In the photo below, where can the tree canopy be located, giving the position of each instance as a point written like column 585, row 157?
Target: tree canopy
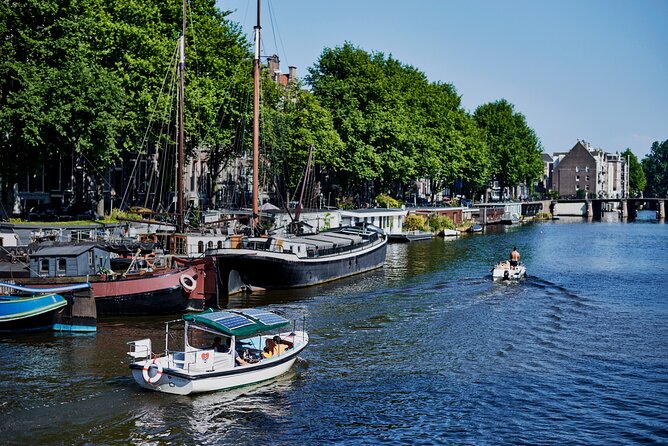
column 655, row 166
column 637, row 180
column 84, row 78
column 514, row 147
column 396, row 126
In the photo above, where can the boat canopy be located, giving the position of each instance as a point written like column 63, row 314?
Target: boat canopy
column 237, row 322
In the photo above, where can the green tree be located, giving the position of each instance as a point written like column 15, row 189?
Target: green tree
column 396, row 126
column 55, row 96
column 514, row 147
column 637, row 179
column 655, row 166
column 292, row 120
column 83, row 79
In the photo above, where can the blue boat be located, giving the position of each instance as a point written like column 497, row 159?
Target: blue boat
column 33, row 309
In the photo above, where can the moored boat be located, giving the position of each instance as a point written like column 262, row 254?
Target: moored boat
column 147, row 285
column 254, row 349
column 31, row 309
column 410, row 236
column 299, row 261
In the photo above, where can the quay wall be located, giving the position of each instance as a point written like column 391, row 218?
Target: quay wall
column 578, row 209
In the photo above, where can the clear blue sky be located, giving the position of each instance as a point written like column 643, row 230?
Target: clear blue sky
column 577, row 69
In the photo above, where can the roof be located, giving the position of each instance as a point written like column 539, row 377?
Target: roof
column 62, row 250
column 237, row 322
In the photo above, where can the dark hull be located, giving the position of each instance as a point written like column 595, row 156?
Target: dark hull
column 258, row 271
column 164, row 301
column 41, row 322
column 160, row 293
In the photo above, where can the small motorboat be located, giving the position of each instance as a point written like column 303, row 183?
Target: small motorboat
column 448, row 233
column 503, row 271
column 25, row 309
column 203, row 366
column 474, row 228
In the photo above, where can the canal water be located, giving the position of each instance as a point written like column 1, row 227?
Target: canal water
column 427, row 350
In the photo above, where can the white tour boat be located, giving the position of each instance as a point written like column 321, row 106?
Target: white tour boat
column 503, row 271
column 237, row 345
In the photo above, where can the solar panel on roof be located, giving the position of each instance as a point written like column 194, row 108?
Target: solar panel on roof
column 265, row 317
column 230, row 320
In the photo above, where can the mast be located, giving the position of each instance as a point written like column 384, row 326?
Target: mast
column 256, row 119
column 179, row 180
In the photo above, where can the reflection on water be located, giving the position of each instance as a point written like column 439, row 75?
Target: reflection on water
column 425, row 350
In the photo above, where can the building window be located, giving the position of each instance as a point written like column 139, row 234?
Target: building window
column 209, row 245
column 577, row 187
column 90, row 258
column 577, row 169
column 577, row 177
column 587, row 178
column 587, row 187
column 44, row 266
column 200, row 247
column 587, row 169
column 61, row 265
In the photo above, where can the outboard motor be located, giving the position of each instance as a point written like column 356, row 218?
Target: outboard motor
column 506, row 275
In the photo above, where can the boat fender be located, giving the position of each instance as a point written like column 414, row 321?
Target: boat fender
column 158, row 374
column 188, row 283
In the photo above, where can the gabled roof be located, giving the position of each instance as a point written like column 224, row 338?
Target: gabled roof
column 546, row 157
column 62, row 250
column 578, row 150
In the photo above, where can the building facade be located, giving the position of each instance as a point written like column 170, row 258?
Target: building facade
column 592, row 173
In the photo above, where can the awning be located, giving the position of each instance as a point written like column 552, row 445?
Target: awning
column 237, row 322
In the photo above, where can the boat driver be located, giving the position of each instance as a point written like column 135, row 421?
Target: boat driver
column 514, row 258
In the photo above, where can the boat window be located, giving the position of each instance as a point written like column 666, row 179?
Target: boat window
column 44, row 266
column 61, row 265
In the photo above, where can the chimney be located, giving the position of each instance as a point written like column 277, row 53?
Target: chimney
column 274, row 65
column 292, row 73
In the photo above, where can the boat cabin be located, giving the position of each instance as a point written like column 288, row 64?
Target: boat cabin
column 69, row 260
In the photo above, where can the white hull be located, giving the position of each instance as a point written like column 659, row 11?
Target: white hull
column 516, row 273
column 218, row 374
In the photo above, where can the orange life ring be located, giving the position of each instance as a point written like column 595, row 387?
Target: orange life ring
column 188, row 283
column 158, row 374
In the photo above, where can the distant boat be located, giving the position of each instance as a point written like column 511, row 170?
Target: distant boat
column 410, row 236
column 504, row 271
column 34, row 309
column 448, row 233
column 474, row 228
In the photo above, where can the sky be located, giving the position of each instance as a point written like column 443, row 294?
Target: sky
column 593, row 70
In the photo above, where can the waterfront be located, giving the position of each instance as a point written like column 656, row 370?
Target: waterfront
column 426, row 350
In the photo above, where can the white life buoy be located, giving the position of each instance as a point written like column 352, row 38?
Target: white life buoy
column 188, row 283
column 158, row 374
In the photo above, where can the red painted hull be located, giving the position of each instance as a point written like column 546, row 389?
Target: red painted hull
column 151, row 293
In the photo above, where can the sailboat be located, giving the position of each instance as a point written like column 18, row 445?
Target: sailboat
column 277, row 262
column 153, row 283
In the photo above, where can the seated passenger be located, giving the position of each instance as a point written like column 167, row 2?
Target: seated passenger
column 219, row 346
column 269, row 348
column 281, row 345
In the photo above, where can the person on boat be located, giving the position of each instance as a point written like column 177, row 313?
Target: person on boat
column 514, row 257
column 281, row 345
column 219, row 346
column 238, row 359
column 269, row 349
